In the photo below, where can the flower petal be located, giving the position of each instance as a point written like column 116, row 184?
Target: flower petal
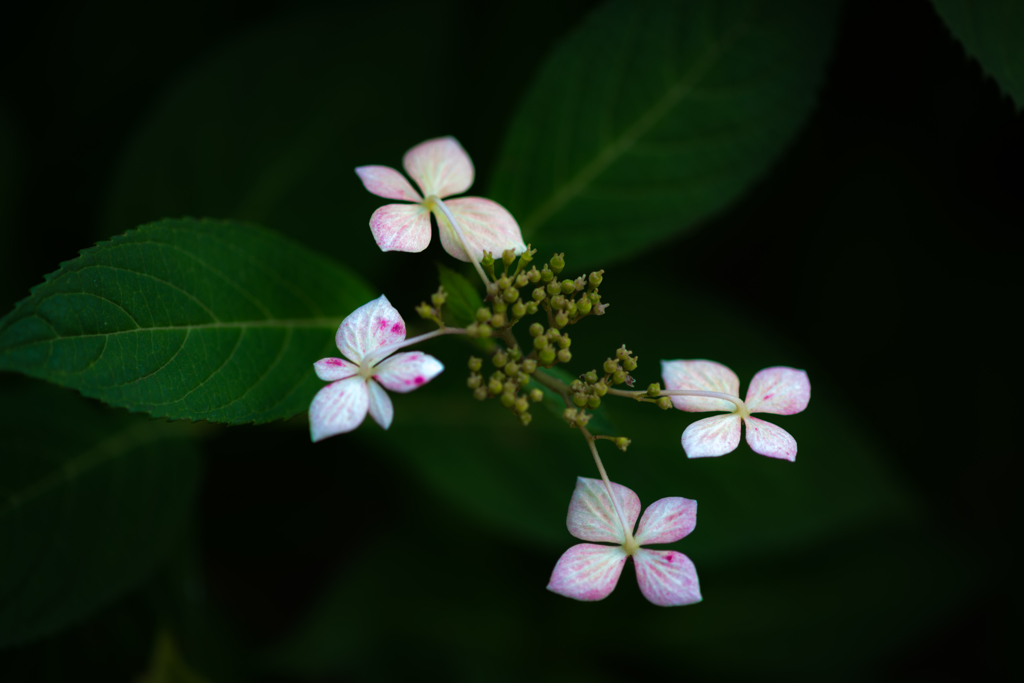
column 401, row 227
column 368, row 328
column 700, row 375
column 666, row 578
column 667, row 521
column 487, row 226
column 333, row 369
column 771, row 440
column 712, row 436
column 404, row 372
column 779, row 390
column 440, row 167
column 381, row 409
column 592, row 516
column 386, row 182
column 338, row 408
column 587, row 571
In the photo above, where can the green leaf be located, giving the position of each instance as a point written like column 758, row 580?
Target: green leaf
column 653, row 116
column 196, row 319
column 90, row 501
column 993, row 33
column 463, row 299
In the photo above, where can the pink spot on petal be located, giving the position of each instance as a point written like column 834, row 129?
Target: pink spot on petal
column 768, row 396
column 332, row 361
column 419, row 380
column 398, row 328
column 668, row 558
column 383, row 324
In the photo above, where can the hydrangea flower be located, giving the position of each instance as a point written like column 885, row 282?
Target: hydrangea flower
column 588, row 571
column 712, row 386
column 367, row 338
column 441, row 168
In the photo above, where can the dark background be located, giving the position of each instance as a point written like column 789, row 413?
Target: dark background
column 896, row 214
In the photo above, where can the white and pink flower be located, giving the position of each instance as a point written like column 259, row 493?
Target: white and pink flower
column 589, row 571
column 698, row 386
column 367, row 338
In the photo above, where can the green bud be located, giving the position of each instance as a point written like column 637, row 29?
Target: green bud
column 504, row 283
column 474, row 380
column 475, row 363
column 488, row 263
column 577, row 385
column 499, row 358
column 568, row 287
column 570, row 414
column 579, row 399
column 473, row 330
column 593, row 402
column 499, row 305
column 511, row 295
column 600, row 389
column 564, row 356
column 564, row 341
column 584, row 305
column 515, row 353
column 539, row 294
column 507, row 399
column 483, row 315
column 554, row 334
column 553, row 288
column 521, row 280
column 557, row 263
column 547, row 356
column 595, row 278
column 654, row 390
column 533, row 275
column 558, row 302
column 540, row 342
column 425, row 311
column 483, row 330
column 561, row 319
column 525, row 418
column 536, row 329
column 618, row 377
column 511, row 368
column 664, row 403
column 527, row 256
column 521, row 405
column 610, row 366
column 536, row 395
column 530, row 366
column 492, row 288
column 531, row 307
column 522, row 379
column 622, row 443
column 591, row 377
column 629, row 365
column 498, row 320
column 582, row 419
column 545, row 274
column 581, row 283
column 621, row 353
column 570, row 309
column 480, row 393
column 439, row 297
column 495, row 386
column 508, row 256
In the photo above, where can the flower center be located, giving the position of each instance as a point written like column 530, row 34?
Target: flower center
column 630, row 546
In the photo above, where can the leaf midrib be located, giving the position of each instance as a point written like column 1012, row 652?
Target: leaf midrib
column 617, row 147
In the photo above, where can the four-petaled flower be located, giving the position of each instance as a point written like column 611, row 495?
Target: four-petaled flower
column 778, row 390
column 441, row 168
column 367, row 338
column 588, row 571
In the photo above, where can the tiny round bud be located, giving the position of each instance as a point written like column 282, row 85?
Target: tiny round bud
column 474, row 380
column 439, row 297
column 507, row 399
column 570, row 414
column 577, row 385
column 515, row 353
column 564, row 356
column 495, row 386
column 475, row 363
column 629, row 365
column 480, row 393
column 553, row 288
column 508, row 256
column 522, row 379
column 511, row 295
column 533, row 275
column 621, row 353
column 425, row 311
column 536, row 395
column 583, row 419
column 570, row 308
column 595, row 278
column 483, row 315
column 499, row 358
column 564, row 342
column 492, row 289
column 473, row 330
column 618, row 377
column 498, row 320
column 521, row 280
column 568, row 287
column 545, row 274
column 557, row 263
column 584, row 305
column 521, row 405
column 536, row 329
column 539, row 294
column 504, row 283
column 590, row 377
column 561, row 319
column 483, row 330
column 511, row 368
column 499, row 305
column 622, row 443
column 610, row 366
column 664, row 403
column 525, row 418
column 654, row 389
column 558, row 302
column 530, row 366
column 600, row 389
column 547, row 356
column 579, row 399
column 540, row 342
column 554, row 334
column 487, row 260
column 531, row 307
column 593, row 402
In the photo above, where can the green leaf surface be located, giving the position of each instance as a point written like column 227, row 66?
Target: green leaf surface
column 653, row 116
column 463, row 299
column 90, row 501
column 993, row 33
column 196, row 319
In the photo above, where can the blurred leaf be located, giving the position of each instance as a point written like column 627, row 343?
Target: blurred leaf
column 90, row 501
column 655, row 115
column 463, row 299
column 196, row 319
column 167, row 666
column 993, row 33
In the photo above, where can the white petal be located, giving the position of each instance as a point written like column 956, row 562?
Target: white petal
column 666, row 578
column 771, row 440
column 381, row 409
column 712, row 436
column 779, row 390
column 333, row 369
column 700, row 375
column 440, row 167
column 404, row 372
column 588, row 572
column 667, row 521
column 338, row 408
column 401, row 227
column 592, row 516
column 487, row 226
column 386, row 182
column 368, row 328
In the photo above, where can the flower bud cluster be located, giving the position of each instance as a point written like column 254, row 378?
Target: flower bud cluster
column 432, row 311
column 511, row 375
column 616, row 370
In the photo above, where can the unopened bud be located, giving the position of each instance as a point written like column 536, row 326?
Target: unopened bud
column 577, row 385
column 553, row 288
column 425, row 311
column 539, row 294
column 558, row 302
column 590, row 377
column 480, row 393
column 600, row 388
column 515, row 353
column 499, row 358
column 521, row 405
column 525, row 418
column 507, row 399
column 488, row 263
column 561, row 319
column 582, row 419
column 579, row 399
column 584, row 305
column 654, row 390
column 536, row 329
column 483, row 315
column 475, row 363
column 494, row 386
column 593, row 402
column 557, row 263
column 511, row 295
column 618, row 377
column 664, row 403
column 518, row 310
column 536, row 395
column 439, row 297
column 508, row 256
column 570, row 309
column 498, row 320
column 596, row 278
column 533, row 275
column 564, row 341
column 629, row 365
column 545, row 274
column 622, row 443
column 521, row 280
column 547, row 356
column 483, row 330
column 511, row 368
column 564, row 356
column 492, row 289
column 504, row 283
column 570, row 414
column 474, row 380
column 530, row 366
column 499, row 305
column 622, row 353
column 610, row 366
column 568, row 287
column 540, row 342
column 531, row 307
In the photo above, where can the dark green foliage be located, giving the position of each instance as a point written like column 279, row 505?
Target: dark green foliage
column 991, row 31
column 90, row 502
column 463, row 299
column 654, row 115
column 196, row 319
